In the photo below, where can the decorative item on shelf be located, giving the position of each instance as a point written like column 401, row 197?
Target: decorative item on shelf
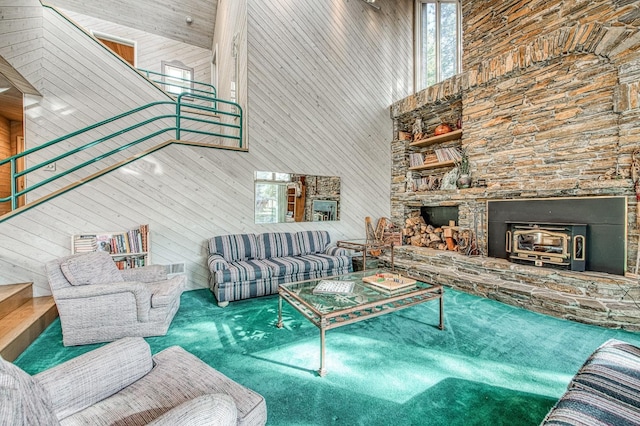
column 417, row 129
column 481, row 183
column 464, row 176
column 442, row 129
column 459, row 123
column 449, row 180
column 404, row 136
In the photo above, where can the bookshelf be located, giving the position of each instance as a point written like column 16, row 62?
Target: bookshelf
column 439, row 153
column 129, row 249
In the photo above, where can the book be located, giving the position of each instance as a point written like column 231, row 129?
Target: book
column 334, row 287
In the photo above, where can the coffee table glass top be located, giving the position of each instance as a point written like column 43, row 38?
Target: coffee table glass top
column 363, row 293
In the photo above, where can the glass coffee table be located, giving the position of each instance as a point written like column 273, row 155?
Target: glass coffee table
column 375, row 292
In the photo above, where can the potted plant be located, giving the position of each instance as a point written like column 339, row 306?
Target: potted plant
column 464, row 172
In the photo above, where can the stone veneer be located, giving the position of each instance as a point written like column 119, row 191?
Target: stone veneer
column 550, row 106
column 588, row 297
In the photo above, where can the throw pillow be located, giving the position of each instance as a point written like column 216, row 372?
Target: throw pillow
column 22, row 400
column 91, row 268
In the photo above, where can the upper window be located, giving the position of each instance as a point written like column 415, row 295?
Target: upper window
column 177, row 77
column 438, row 35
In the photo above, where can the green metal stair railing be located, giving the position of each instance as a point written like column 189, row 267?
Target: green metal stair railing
column 190, row 86
column 207, row 115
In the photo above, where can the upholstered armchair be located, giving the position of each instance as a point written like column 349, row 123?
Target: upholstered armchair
column 97, row 302
column 120, row 383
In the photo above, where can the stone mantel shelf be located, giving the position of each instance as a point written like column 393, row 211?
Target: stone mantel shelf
column 613, row 187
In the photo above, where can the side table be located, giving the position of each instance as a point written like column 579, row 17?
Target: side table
column 363, row 245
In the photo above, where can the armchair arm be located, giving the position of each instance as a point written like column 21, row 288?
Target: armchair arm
column 336, row 251
column 166, row 291
column 141, row 292
column 210, row 409
column 145, row 274
column 217, row 263
column 91, row 377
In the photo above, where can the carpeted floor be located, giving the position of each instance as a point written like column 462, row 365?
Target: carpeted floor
column 492, row 365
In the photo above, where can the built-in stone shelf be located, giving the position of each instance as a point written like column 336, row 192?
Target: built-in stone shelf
column 611, row 187
column 589, row 297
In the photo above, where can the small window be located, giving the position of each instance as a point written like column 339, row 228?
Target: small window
column 439, row 41
column 178, row 78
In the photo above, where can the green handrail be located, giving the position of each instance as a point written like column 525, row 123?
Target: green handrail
column 183, row 107
column 208, row 90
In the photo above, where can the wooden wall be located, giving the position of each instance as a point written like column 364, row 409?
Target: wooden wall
column 231, row 26
column 152, row 49
column 321, row 77
column 5, row 171
column 21, row 35
column 164, row 18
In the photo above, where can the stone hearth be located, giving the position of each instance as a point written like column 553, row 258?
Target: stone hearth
column 588, row 297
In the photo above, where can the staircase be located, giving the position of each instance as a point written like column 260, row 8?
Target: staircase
column 22, row 318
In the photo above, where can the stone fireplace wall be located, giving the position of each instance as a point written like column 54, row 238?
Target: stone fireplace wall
column 549, row 102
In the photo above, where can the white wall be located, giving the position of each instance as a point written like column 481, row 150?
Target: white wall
column 321, row 78
column 152, row 49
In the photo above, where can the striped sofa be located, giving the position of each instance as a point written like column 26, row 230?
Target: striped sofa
column 605, row 391
column 242, row 266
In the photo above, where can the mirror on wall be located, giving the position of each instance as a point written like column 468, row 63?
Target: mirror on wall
column 292, row 197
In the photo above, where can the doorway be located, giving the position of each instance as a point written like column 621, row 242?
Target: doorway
column 11, row 137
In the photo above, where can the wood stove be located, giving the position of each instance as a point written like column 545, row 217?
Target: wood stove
column 559, row 245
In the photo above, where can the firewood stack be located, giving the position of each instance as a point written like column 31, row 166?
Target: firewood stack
column 418, row 233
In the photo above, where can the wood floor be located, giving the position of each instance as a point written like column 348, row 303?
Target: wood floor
column 22, row 318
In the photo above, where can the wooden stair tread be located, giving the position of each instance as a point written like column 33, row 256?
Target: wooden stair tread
column 12, row 296
column 19, row 328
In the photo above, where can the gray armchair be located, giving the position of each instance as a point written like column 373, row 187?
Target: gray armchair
column 122, row 384
column 97, row 302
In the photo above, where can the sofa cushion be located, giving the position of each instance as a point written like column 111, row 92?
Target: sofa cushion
column 324, row 262
column 91, row 268
column 281, row 266
column 612, row 370
column 312, row 242
column 244, row 271
column 236, row 247
column 22, row 400
column 277, row 244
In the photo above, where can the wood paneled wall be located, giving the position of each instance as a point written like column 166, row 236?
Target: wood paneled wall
column 321, row 77
column 152, row 49
column 164, row 18
column 5, row 171
column 21, row 35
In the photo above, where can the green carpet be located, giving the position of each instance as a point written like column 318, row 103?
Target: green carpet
column 492, row 365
